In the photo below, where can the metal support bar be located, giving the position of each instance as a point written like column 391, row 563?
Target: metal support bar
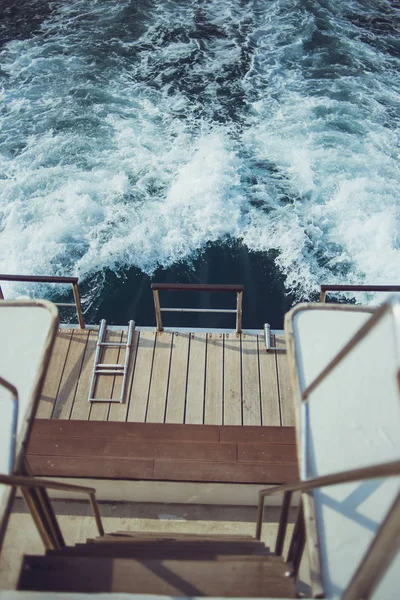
column 267, row 335
column 280, row 539
column 356, row 288
column 51, row 279
column 78, row 305
column 190, row 287
column 200, row 310
column 36, row 505
column 65, row 304
column 297, row 542
column 157, row 308
column 239, row 310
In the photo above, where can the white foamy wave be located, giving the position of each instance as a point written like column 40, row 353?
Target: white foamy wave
column 134, row 135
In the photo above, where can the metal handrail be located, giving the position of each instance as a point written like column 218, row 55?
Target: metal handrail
column 51, row 279
column 31, row 482
column 386, row 530
column 356, row 288
column 198, row 287
column 13, row 442
column 389, row 469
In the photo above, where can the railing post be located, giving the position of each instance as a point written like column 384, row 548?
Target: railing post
column 322, row 295
column 239, row 302
column 96, row 513
column 298, row 541
column 78, row 305
column 280, row 539
column 260, row 515
column 157, row 308
column 1, row 294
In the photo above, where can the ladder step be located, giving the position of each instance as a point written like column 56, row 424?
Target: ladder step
column 111, row 343
column 108, row 372
column 110, row 366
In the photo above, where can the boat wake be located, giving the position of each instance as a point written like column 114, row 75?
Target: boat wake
column 134, row 133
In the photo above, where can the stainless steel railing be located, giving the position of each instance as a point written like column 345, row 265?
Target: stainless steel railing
column 377, row 557
column 325, row 288
column 194, row 287
column 40, row 507
column 50, row 279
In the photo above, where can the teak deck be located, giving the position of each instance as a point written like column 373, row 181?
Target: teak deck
column 190, row 378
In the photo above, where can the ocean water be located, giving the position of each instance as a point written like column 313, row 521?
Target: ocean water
column 223, row 141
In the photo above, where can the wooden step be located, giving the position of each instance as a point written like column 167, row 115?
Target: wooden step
column 231, row 578
column 163, row 452
column 164, row 431
column 183, row 536
column 163, row 549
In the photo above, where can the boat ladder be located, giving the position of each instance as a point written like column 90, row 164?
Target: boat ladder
column 111, row 369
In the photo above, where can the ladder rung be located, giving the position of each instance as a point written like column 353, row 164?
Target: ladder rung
column 111, row 343
column 109, row 366
column 108, row 372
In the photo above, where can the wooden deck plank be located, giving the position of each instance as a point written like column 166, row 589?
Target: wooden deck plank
column 285, row 391
column 130, row 431
column 81, row 406
column 159, row 378
column 196, row 379
column 70, row 376
column 115, row 448
column 176, row 398
column 223, row 472
column 118, row 412
column 232, row 380
column 250, row 380
column 105, row 386
column 213, row 403
column 248, row 434
column 162, row 470
column 54, row 374
column 91, row 466
column 269, row 384
column 141, row 377
column 267, row 453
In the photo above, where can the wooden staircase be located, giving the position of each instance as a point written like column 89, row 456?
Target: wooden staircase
column 167, row 564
